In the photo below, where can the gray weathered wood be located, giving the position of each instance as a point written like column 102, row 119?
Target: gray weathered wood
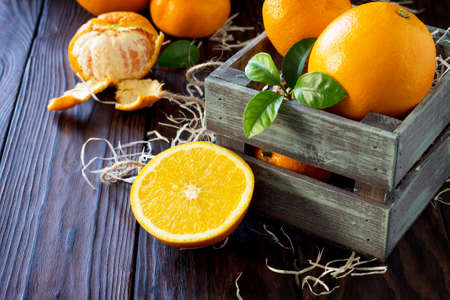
column 422, row 126
column 327, row 211
column 367, row 190
column 418, row 188
column 381, row 121
column 230, row 143
column 343, row 146
column 15, row 44
column 58, row 237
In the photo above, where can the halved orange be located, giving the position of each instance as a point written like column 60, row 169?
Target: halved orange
column 192, row 195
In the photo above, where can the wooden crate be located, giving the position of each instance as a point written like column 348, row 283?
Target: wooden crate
column 397, row 165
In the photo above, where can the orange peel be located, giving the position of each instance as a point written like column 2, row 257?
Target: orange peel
column 136, row 94
column 107, row 50
column 79, row 94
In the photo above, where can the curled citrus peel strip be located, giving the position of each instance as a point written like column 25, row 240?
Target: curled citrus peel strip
column 114, row 49
column 79, row 94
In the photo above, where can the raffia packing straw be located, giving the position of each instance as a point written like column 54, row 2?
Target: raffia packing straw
column 438, row 198
column 190, row 127
column 238, row 291
column 226, row 40
column 352, row 266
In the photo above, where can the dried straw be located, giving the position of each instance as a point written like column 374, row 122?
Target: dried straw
column 238, row 291
column 124, row 163
column 336, row 269
column 224, row 37
column 221, row 246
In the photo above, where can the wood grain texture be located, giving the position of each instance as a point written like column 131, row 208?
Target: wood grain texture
column 367, row 190
column 164, row 272
column 416, row 189
column 316, row 207
column 60, row 238
column 343, row 146
column 422, row 126
column 15, row 44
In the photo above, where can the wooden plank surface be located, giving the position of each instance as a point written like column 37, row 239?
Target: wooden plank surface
column 15, row 44
column 60, row 238
column 343, row 146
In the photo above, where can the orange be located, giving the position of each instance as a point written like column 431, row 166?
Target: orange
column 97, row 7
column 111, row 48
column 192, row 195
column 189, row 19
column 291, row 164
column 382, row 55
column 136, row 94
column 289, row 21
column 117, row 45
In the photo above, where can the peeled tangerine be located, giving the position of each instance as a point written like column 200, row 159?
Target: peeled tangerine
column 114, row 49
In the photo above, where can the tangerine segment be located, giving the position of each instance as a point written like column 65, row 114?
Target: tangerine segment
column 120, row 45
column 79, row 94
column 135, row 94
column 192, row 195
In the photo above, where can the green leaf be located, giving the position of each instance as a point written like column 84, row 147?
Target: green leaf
column 261, row 68
column 318, row 90
column 179, row 54
column 294, row 60
column 260, row 112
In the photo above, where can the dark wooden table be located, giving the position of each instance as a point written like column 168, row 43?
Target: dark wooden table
column 61, row 239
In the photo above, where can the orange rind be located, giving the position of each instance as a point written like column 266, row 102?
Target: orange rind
column 109, row 49
column 190, row 19
column 79, row 94
column 136, row 94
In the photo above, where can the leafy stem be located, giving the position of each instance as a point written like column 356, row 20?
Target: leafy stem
column 316, row 90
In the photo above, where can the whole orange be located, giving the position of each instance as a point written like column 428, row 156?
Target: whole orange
column 289, row 21
column 291, row 164
column 382, row 55
column 97, row 7
column 188, row 18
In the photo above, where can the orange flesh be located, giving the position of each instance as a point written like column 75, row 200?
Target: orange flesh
column 192, row 199
column 117, row 53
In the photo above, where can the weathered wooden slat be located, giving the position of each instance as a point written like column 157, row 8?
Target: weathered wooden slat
column 367, row 190
column 230, row 143
column 343, row 146
column 422, row 126
column 322, row 209
column 418, row 188
column 58, row 237
column 15, row 44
